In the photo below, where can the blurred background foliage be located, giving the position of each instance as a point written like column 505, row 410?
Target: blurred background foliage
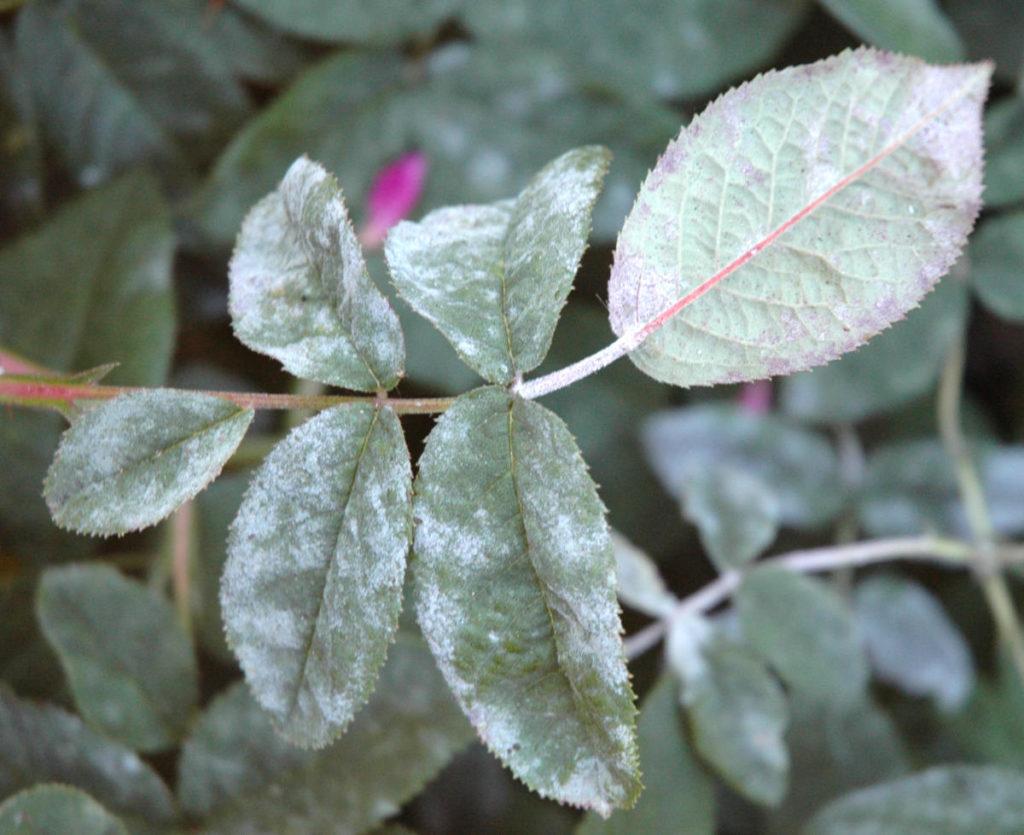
column 135, row 134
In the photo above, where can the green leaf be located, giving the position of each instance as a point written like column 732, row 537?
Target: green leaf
column 911, row 641
column 736, row 514
column 798, row 233
column 39, row 743
column 54, row 810
column 313, row 583
column 1004, row 152
column 254, row 50
column 997, row 253
column 493, row 279
column 913, row 27
column 800, row 465
column 639, row 582
column 487, row 118
column 128, row 660
column 215, row 507
column 352, row 21
column 515, row 594
column 26, row 662
column 804, row 630
column 233, row 751
column 678, row 794
column 301, row 293
column 69, row 289
column 102, row 108
column 895, row 367
column 21, row 155
column 992, row 29
column 952, row 799
column 911, row 488
column 674, row 48
column 128, row 463
column 991, row 727
column 406, row 734
column 834, row 749
column 737, row 710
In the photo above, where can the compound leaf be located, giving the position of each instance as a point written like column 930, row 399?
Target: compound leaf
column 407, row 733
column 301, row 293
column 798, row 216
column 54, row 809
column 312, row 587
column 516, row 596
column 128, row 463
column 493, row 279
column 128, row 661
column 952, row 799
column 40, row 743
column 804, row 631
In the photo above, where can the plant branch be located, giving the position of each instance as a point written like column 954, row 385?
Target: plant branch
column 812, row 560
column 182, row 540
column 22, row 391
column 989, row 572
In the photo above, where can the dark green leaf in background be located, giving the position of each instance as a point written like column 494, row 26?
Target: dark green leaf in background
column 914, row 27
column 678, row 794
column 93, row 285
column 911, row 642
column 991, row 29
column 515, row 594
column 128, row 660
column 736, row 514
column 953, row 800
column 40, row 743
column 672, row 48
column 21, row 187
column 805, row 631
column 116, row 84
column 313, row 583
column 55, row 810
column 130, row 462
column 493, row 279
column 997, row 265
column 1004, row 152
column 406, row 734
column 800, row 466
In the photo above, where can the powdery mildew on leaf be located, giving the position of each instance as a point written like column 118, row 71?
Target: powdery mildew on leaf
column 312, row 587
column 827, row 198
column 300, row 291
column 44, row 744
column 128, row 661
column 493, row 279
column 516, row 596
column 129, row 462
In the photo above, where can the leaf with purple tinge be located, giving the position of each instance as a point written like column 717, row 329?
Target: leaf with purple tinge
column 799, row 215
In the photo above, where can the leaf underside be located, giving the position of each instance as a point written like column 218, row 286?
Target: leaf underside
column 516, row 597
column 128, row 463
column 301, row 293
column 799, row 215
column 312, row 587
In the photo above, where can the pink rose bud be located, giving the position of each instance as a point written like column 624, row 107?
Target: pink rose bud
column 756, row 397
column 393, row 195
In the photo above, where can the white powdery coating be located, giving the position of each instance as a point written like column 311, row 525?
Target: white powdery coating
column 515, row 594
column 300, row 290
column 493, row 278
column 128, row 463
column 759, row 155
column 316, row 558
